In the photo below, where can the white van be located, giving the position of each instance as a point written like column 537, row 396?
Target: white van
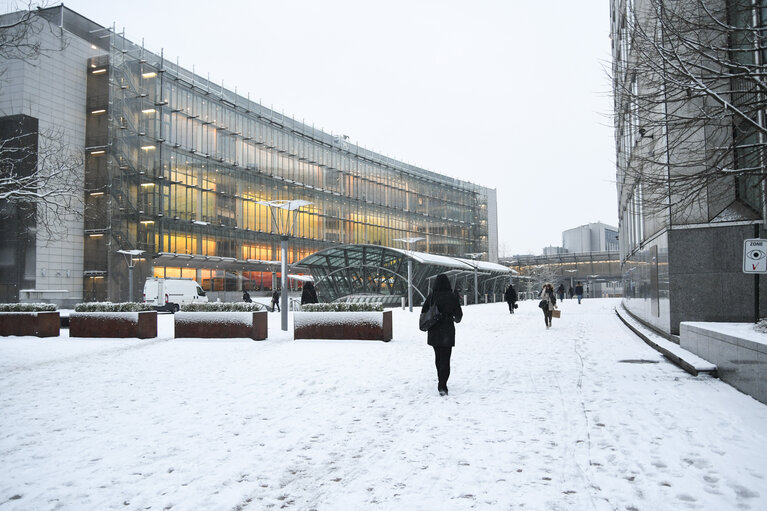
column 170, row 294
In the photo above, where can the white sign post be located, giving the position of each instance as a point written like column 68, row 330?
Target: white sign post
column 755, row 256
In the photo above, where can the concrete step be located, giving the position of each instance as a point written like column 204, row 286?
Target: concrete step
column 690, row 362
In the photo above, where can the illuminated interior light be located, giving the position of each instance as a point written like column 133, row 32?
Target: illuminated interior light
column 99, row 111
column 148, row 111
column 149, row 74
column 96, row 235
column 96, row 153
column 147, row 185
column 99, row 71
column 96, row 194
column 147, row 222
column 148, row 147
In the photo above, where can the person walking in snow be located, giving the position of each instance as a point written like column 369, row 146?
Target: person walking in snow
column 561, row 292
column 276, row 301
column 441, row 336
column 548, row 303
column 579, row 291
column 308, row 294
column 510, row 296
column 246, row 297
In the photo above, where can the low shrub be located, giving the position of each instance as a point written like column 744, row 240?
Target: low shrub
column 223, row 307
column 343, row 307
column 112, row 307
column 27, row 307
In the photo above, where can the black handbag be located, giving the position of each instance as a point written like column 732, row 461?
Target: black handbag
column 429, row 318
column 543, row 304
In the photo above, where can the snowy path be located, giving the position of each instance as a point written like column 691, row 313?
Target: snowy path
column 535, row 419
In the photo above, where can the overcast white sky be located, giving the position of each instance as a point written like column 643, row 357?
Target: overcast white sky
column 509, row 94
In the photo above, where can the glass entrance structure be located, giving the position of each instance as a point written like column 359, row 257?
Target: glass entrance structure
column 363, row 272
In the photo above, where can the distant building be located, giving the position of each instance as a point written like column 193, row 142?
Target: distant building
column 554, row 250
column 594, row 237
column 589, row 255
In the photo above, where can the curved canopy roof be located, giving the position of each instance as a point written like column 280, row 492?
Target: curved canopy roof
column 345, row 271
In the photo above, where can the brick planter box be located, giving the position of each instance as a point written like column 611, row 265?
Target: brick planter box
column 113, row 324
column 222, row 325
column 376, row 326
column 38, row 324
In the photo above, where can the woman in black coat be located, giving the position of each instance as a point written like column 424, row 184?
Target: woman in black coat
column 511, row 297
column 441, row 336
column 308, row 294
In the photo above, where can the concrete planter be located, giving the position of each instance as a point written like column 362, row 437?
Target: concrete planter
column 113, row 324
column 222, row 325
column 376, row 326
column 38, row 324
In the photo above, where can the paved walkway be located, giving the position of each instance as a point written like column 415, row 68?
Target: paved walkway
column 582, row 416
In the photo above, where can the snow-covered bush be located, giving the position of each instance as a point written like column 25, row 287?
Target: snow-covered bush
column 112, row 307
column 761, row 326
column 343, row 307
column 27, row 307
column 223, row 307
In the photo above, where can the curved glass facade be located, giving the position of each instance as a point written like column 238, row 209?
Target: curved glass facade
column 176, row 164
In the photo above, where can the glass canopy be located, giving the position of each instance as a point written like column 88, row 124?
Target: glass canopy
column 378, row 273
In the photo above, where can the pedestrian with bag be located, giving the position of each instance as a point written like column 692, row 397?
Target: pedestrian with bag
column 276, row 301
column 548, row 303
column 246, row 297
column 440, row 311
column 579, row 291
column 510, row 296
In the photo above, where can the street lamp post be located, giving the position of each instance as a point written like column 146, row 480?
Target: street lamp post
column 474, row 256
column 408, row 241
column 285, row 224
column 130, row 257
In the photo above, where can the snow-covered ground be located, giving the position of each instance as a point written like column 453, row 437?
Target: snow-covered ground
column 582, row 416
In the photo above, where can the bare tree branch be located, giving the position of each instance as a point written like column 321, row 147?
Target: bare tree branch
column 690, row 95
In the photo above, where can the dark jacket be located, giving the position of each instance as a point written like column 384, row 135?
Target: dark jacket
column 449, row 305
column 578, row 290
column 275, row 297
column 510, row 295
column 308, row 294
column 246, row 297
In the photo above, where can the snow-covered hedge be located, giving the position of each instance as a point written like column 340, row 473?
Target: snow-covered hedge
column 343, row 307
column 27, row 307
column 113, row 307
column 223, row 307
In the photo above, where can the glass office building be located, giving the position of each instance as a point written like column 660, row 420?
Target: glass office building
column 176, row 166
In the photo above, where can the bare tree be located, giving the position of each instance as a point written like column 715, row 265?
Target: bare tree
column 690, row 96
column 39, row 175
column 38, row 170
column 18, row 35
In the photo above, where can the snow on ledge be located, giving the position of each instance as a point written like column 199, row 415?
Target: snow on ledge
column 301, row 319
column 243, row 318
column 129, row 316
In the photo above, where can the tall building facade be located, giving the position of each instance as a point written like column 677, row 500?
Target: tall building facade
column 685, row 162
column 179, row 167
